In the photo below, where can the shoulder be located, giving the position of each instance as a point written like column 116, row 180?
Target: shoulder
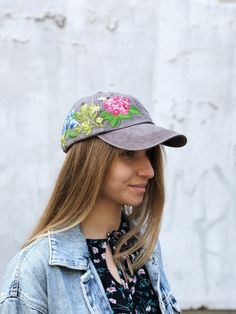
column 30, row 260
column 26, row 273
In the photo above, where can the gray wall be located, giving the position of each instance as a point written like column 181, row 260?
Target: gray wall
column 178, row 57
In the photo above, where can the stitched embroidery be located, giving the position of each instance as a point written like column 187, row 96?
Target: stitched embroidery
column 117, row 109
column 90, row 116
column 81, row 121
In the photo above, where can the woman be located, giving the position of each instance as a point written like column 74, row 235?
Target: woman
column 95, row 248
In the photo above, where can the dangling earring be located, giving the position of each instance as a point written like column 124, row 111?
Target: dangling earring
column 128, row 209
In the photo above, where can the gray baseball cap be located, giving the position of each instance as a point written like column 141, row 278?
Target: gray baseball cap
column 118, row 119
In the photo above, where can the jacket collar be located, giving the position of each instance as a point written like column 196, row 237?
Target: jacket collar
column 69, row 249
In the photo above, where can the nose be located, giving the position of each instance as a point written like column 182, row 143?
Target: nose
column 145, row 168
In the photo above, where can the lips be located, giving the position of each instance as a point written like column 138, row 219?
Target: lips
column 140, row 188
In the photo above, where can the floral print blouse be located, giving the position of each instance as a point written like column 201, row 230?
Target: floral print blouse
column 134, row 294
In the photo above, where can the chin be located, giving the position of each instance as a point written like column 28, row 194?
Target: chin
column 134, row 202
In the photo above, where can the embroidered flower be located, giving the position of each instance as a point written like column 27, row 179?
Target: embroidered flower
column 112, row 300
column 117, row 109
column 103, row 255
column 90, row 116
column 82, row 121
column 117, row 105
column 70, row 121
column 99, row 120
column 148, row 308
column 95, row 108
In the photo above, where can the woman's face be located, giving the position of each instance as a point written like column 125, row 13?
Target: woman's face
column 127, row 178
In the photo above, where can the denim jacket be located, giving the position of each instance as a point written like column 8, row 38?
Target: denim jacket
column 55, row 275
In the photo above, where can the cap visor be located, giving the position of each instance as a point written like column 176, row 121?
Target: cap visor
column 143, row 136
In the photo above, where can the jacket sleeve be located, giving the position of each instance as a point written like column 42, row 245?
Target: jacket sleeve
column 168, row 298
column 13, row 305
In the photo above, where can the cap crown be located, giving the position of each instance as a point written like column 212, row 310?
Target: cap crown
column 101, row 113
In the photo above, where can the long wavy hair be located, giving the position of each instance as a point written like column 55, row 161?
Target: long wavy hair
column 78, row 186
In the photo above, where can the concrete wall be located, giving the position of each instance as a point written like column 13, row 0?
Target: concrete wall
column 178, row 57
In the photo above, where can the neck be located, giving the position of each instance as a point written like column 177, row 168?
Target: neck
column 102, row 219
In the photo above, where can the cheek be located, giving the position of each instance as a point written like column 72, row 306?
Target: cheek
column 113, row 183
column 117, row 178
column 119, row 174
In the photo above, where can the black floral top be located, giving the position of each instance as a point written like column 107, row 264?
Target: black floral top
column 134, row 294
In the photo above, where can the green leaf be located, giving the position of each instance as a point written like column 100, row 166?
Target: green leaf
column 90, row 112
column 125, row 116
column 80, row 117
column 110, row 118
column 72, row 134
column 78, row 129
column 88, row 131
column 106, row 114
column 67, row 133
column 134, row 110
column 115, row 121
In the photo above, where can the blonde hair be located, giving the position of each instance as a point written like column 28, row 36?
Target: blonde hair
column 78, row 186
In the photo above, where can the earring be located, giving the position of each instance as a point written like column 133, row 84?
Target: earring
column 128, row 209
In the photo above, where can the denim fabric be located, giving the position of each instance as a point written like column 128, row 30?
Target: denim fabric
column 55, row 275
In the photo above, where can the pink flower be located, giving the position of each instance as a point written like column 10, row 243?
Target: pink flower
column 111, row 289
column 117, row 105
column 116, row 112
column 141, row 271
column 134, row 279
column 103, row 255
column 112, row 301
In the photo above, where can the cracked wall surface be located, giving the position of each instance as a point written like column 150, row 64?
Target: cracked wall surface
column 178, row 57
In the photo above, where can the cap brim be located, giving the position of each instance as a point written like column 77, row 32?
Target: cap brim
column 143, row 136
